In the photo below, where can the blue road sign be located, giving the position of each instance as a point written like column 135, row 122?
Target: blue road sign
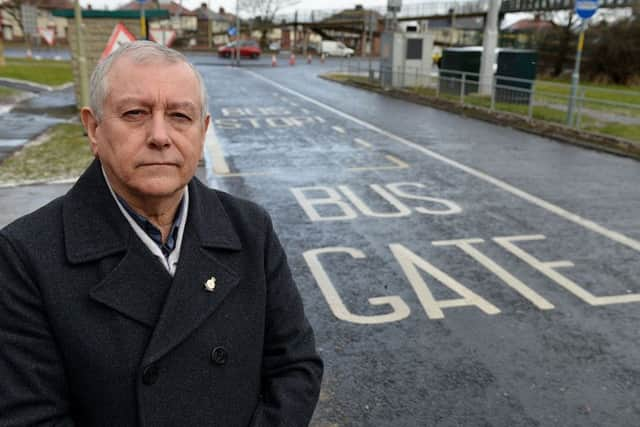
column 586, row 8
column 232, row 31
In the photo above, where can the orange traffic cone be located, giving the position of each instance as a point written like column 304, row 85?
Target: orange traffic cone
column 309, row 59
column 274, row 61
column 292, row 60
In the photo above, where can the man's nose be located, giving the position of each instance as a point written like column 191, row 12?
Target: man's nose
column 159, row 132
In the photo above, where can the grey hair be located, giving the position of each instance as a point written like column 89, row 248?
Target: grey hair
column 140, row 51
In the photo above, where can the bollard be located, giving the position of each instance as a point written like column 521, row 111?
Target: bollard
column 274, row 61
column 322, row 57
column 309, row 59
column 292, row 60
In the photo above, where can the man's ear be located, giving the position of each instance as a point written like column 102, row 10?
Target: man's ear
column 207, row 122
column 90, row 123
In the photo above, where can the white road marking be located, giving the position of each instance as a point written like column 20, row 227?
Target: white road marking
column 399, row 164
column 305, row 111
column 588, row 224
column 362, row 142
column 214, row 153
column 338, row 129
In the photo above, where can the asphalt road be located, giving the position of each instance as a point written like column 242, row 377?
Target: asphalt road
column 457, row 273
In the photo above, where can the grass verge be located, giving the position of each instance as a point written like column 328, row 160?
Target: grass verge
column 6, row 92
column 48, row 72
column 546, row 113
column 63, row 152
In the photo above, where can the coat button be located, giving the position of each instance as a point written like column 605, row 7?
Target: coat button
column 150, row 375
column 219, row 356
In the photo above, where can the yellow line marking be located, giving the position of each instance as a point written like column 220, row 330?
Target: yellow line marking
column 212, row 145
column 362, row 142
column 399, row 164
column 237, row 174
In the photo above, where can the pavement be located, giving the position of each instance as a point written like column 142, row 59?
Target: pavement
column 39, row 107
column 456, row 272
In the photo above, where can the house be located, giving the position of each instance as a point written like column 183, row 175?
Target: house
column 218, row 23
column 524, row 33
column 10, row 17
column 182, row 20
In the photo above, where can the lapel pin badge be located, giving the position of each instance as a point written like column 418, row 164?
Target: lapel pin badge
column 210, row 284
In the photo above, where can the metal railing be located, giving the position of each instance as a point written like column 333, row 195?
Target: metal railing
column 600, row 110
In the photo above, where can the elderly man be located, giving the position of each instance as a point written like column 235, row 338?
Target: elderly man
column 141, row 297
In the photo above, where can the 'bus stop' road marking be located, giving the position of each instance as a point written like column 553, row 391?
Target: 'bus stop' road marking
column 576, row 219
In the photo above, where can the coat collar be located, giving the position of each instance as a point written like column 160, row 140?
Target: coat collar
column 94, row 226
column 139, row 287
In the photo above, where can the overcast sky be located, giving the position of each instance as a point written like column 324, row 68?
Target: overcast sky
column 231, row 4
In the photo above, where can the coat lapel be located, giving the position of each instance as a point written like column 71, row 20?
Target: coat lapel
column 139, row 287
column 208, row 234
column 94, row 228
column 139, row 296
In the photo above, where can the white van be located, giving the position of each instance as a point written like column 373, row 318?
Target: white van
column 332, row 48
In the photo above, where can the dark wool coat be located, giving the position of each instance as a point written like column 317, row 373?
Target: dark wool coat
column 95, row 332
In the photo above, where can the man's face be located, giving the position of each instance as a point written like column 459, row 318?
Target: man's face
column 151, row 135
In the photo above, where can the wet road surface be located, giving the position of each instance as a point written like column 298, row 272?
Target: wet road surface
column 457, row 273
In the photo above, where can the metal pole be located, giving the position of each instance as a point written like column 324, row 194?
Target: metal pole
column 143, row 22
column 209, row 29
column 82, row 56
column 372, row 22
column 2, row 61
column 489, row 44
column 575, row 77
column 531, row 96
column 237, row 49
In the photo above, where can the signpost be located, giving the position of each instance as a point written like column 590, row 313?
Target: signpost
column 29, row 14
column 585, row 10
column 82, row 56
column 143, row 19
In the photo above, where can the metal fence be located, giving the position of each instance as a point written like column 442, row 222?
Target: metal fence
column 607, row 111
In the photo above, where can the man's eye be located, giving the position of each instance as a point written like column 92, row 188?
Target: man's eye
column 181, row 116
column 134, row 113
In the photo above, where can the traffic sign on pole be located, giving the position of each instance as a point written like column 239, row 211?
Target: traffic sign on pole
column 586, row 8
column 162, row 36
column 120, row 35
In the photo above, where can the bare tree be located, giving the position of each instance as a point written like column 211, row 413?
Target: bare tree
column 265, row 10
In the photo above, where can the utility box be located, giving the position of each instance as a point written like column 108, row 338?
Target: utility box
column 520, row 66
column 517, row 67
column 454, row 66
column 405, row 59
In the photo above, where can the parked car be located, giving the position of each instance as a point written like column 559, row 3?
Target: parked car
column 274, row 46
column 333, row 48
column 248, row 48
